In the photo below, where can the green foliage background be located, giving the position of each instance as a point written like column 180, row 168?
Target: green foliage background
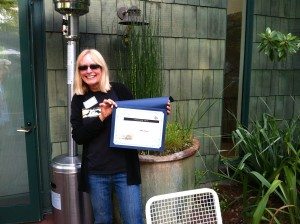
column 140, row 62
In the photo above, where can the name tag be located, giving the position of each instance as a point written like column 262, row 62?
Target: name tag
column 90, row 102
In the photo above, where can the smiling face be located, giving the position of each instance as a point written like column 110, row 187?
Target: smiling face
column 91, row 76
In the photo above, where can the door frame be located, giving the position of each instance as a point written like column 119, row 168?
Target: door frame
column 33, row 66
column 39, row 69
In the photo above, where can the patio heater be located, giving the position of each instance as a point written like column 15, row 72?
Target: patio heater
column 69, row 205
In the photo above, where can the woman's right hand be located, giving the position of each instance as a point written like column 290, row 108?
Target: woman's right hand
column 106, row 108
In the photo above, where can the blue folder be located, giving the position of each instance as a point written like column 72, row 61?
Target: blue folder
column 154, row 104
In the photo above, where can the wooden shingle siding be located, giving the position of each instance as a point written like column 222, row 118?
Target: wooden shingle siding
column 190, row 22
column 193, row 53
column 202, row 19
column 274, row 82
column 204, row 50
column 186, row 84
column 196, row 89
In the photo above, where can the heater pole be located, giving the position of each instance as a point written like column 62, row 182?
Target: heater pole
column 72, row 37
column 71, row 48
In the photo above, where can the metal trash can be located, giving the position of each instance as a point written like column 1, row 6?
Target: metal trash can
column 70, row 206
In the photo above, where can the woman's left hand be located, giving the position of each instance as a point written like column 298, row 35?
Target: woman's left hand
column 169, row 108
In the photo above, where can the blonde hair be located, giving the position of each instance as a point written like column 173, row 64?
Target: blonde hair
column 80, row 87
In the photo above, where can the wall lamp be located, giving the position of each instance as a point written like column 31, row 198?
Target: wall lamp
column 131, row 16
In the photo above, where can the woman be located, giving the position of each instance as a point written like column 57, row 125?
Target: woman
column 104, row 169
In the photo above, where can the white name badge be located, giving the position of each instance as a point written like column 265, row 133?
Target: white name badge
column 90, row 102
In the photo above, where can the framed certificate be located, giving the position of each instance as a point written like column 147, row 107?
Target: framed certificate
column 140, row 128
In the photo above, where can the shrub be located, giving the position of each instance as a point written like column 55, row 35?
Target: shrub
column 277, row 45
column 268, row 164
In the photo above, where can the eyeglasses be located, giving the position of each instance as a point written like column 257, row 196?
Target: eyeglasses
column 85, row 67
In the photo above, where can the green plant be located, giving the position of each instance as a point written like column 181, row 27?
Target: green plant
column 178, row 138
column 224, row 201
column 179, row 131
column 286, row 190
column 139, row 62
column 8, row 14
column 139, row 67
column 277, row 45
column 199, row 176
column 268, row 165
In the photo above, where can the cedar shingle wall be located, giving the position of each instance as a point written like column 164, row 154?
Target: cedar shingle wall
column 275, row 82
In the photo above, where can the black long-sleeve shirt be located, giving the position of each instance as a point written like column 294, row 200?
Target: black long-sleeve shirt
column 94, row 135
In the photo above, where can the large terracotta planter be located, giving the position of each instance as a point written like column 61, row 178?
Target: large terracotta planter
column 166, row 174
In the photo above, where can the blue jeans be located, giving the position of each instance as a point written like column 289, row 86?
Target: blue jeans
column 129, row 198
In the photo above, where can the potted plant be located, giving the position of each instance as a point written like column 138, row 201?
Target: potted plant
column 139, row 67
column 173, row 169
